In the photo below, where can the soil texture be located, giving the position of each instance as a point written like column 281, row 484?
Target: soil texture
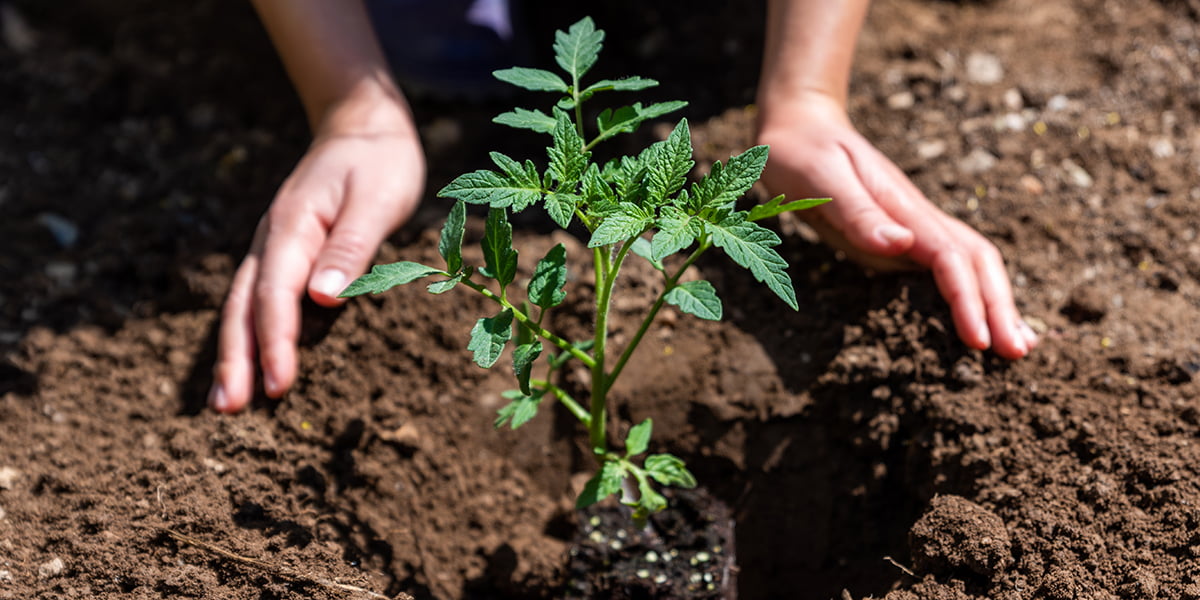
column 863, row 450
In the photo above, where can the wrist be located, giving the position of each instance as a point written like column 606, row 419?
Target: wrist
column 780, row 110
column 369, row 107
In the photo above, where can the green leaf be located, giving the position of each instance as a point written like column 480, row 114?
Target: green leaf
column 524, row 176
column 523, row 357
column 641, row 247
column 576, row 49
column 627, row 84
column 441, row 287
column 750, row 246
column 602, row 485
column 489, row 336
column 498, row 253
column 522, row 118
column 627, row 221
column 639, row 438
column 724, row 184
column 532, row 79
column 676, row 231
column 521, row 410
column 628, row 118
column 776, row 206
column 697, row 298
column 450, row 245
column 670, row 161
column 649, row 503
column 596, row 191
column 549, row 277
column 561, row 207
column 567, row 158
column 386, row 277
column 669, row 470
column 492, row 189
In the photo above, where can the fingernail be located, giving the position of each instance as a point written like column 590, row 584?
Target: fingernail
column 217, row 400
column 1027, row 332
column 1019, row 341
column 985, row 336
column 330, row 282
column 892, row 234
column 270, row 385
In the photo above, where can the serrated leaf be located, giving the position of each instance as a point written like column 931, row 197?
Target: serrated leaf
column 522, row 118
column 628, row 118
column 561, row 208
column 549, row 277
column 498, row 253
column 384, row 277
column 576, row 49
column 669, row 470
column 596, row 191
column 669, row 163
column 489, row 336
column 724, row 184
column 567, row 158
column 639, row 438
column 603, row 484
column 776, row 206
column 523, row 357
column 521, row 410
column 493, row 189
column 676, row 231
column 627, row 84
column 537, row 80
column 750, row 245
column 450, row 246
column 441, row 287
column 641, row 247
column 697, row 298
column 627, row 221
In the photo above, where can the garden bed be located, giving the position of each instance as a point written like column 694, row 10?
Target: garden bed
column 859, row 445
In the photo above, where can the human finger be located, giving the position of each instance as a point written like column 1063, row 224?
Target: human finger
column 233, row 372
column 291, row 242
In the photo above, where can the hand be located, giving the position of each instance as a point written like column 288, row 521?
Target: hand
column 347, row 194
column 880, row 219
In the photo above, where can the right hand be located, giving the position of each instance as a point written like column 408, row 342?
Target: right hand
column 349, row 192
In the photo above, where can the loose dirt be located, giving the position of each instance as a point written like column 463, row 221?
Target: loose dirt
column 859, row 444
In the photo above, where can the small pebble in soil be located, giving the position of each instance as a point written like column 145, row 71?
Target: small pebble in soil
column 901, row 100
column 984, row 68
column 8, row 478
column 978, row 161
column 6, row 575
column 1076, row 174
column 51, row 568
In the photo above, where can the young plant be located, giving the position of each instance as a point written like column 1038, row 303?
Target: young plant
column 619, row 203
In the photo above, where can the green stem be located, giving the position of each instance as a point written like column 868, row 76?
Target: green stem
column 534, row 327
column 565, row 399
column 671, row 282
column 597, row 427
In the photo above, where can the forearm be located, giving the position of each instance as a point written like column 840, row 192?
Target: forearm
column 334, row 61
column 809, row 49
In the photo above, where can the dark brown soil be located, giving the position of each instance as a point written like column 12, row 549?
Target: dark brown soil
column 861, row 447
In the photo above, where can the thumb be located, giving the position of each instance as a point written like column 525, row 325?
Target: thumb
column 347, row 251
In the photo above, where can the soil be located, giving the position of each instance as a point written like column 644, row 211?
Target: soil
column 863, row 450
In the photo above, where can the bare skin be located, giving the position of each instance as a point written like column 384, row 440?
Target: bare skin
column 364, row 173
column 878, row 216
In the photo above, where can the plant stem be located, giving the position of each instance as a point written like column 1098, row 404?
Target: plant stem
column 534, row 327
column 658, row 303
column 565, row 399
column 597, row 428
